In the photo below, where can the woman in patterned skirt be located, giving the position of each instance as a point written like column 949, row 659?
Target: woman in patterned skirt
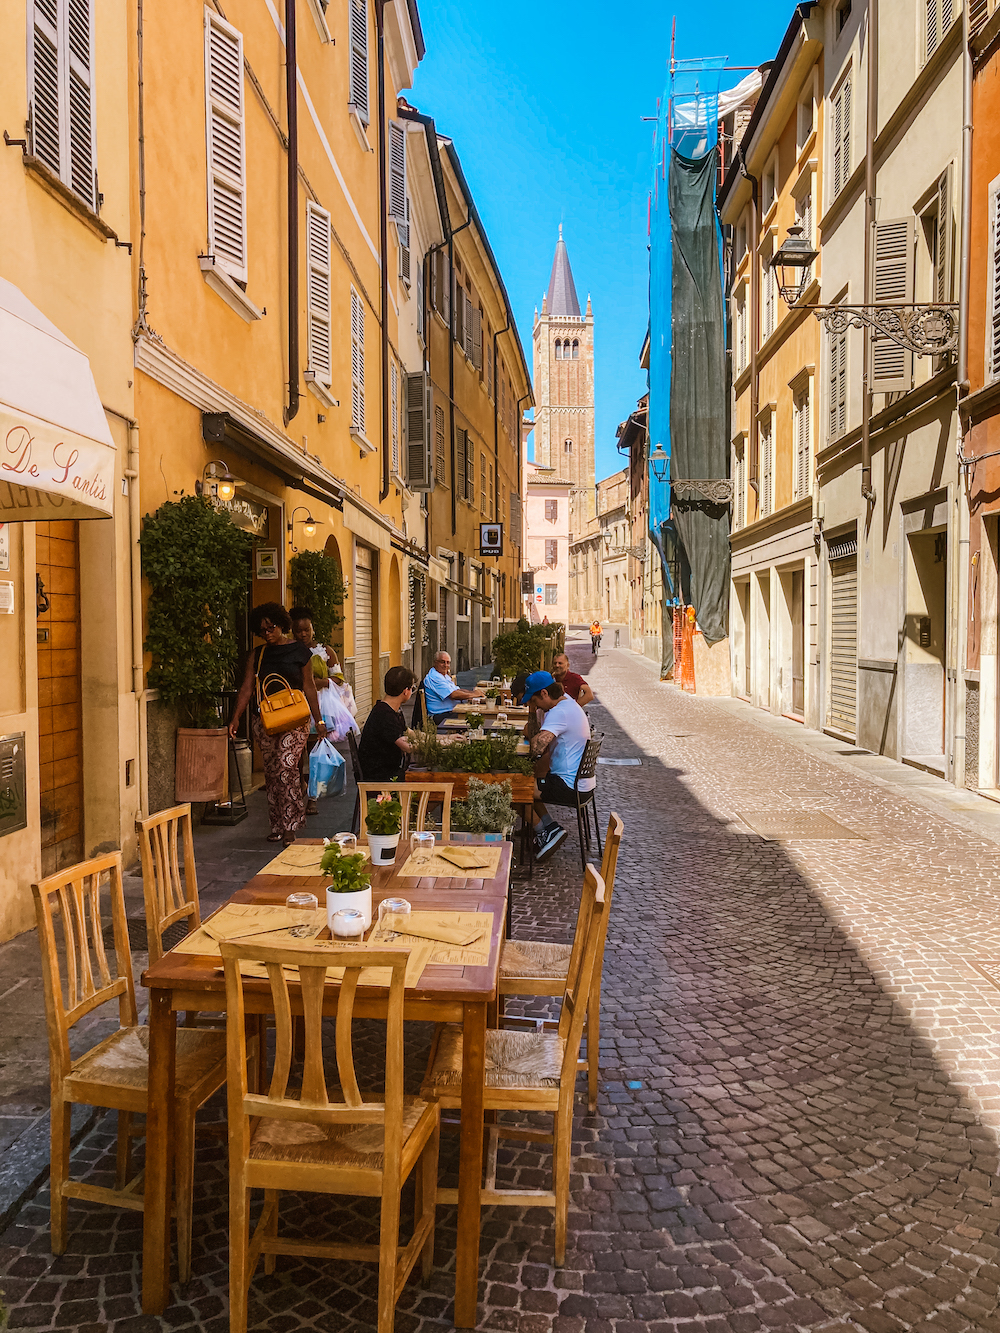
column 281, row 656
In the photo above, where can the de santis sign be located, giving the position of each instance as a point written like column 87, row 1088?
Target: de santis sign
column 51, row 473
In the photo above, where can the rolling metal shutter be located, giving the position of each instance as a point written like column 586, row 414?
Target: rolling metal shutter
column 363, row 634
column 843, row 700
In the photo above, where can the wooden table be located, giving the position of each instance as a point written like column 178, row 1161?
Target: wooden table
column 522, row 793
column 449, row 994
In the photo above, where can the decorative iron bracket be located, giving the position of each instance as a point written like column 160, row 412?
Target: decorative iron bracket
column 925, row 330
column 716, row 490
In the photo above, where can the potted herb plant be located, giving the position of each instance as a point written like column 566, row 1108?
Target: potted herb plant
column 197, row 563
column 475, row 724
column 383, row 818
column 486, row 810
column 349, row 882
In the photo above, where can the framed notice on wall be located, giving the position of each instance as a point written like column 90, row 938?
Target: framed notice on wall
column 267, row 562
column 4, row 546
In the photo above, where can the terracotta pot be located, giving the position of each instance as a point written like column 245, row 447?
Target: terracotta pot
column 201, row 764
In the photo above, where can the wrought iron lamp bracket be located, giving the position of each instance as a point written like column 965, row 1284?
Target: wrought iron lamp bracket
column 716, row 490
column 925, row 330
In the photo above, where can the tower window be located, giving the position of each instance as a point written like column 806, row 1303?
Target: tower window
column 576, row 350
column 558, row 349
column 567, row 446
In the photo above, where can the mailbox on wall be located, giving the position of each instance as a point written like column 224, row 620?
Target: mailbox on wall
column 13, row 802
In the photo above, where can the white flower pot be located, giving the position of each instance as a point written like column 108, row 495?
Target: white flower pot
column 361, row 901
column 382, row 847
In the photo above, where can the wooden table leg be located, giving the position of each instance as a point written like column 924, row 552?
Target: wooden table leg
column 159, row 1155
column 470, row 1169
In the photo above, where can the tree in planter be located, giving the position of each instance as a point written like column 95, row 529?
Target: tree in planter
column 196, row 561
column 314, row 580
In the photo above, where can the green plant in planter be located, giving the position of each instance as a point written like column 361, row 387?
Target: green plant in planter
column 314, row 580
column 347, row 874
column 522, row 649
column 474, row 721
column 487, row 809
column 197, row 563
column 383, row 815
column 503, row 753
column 426, row 748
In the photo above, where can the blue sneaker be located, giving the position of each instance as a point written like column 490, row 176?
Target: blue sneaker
column 548, row 840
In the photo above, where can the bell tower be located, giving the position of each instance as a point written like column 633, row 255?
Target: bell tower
column 564, row 389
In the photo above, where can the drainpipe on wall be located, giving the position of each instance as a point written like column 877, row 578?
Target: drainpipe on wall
column 452, row 293
column 496, row 426
column 754, row 325
column 870, row 131
column 135, row 574
column 292, row 106
column 963, row 515
column 383, row 241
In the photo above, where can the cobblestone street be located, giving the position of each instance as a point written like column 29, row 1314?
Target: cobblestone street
column 800, row 1100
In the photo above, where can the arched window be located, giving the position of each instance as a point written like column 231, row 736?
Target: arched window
column 567, row 446
column 576, row 350
column 558, row 349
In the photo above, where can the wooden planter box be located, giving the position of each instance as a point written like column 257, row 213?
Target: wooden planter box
column 522, row 784
column 201, row 765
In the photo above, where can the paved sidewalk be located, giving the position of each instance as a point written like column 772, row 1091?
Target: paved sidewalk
column 799, row 1114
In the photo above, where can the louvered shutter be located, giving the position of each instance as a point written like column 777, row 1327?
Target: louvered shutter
column 419, row 473
column 461, row 441
column 516, row 520
column 468, row 324
column 477, row 338
column 227, row 219
column 993, row 294
column 420, row 299
column 740, row 487
column 803, row 444
column 942, row 239
column 440, row 457
column 482, row 483
column 458, row 306
column 62, row 93
column 838, row 385
column 938, row 15
column 892, row 365
column 357, row 364
column 399, row 207
column 82, row 176
column 489, row 364
column 842, row 136
column 470, row 473
column 318, row 292
column 359, row 58
column 394, row 418
column 45, row 91
column 766, row 472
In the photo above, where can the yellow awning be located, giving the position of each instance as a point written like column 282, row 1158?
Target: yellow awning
column 57, row 457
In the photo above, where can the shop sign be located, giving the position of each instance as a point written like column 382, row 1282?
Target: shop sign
column 52, row 473
column 246, row 514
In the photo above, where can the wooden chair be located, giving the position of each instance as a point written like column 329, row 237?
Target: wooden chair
column 171, row 893
column 529, row 1071
column 537, row 967
column 415, row 797
column 584, row 802
column 114, row 1072
column 324, row 1141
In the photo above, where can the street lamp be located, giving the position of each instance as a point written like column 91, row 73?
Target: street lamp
column 793, row 265
column 218, row 485
column 308, row 525
column 660, row 462
column 928, row 329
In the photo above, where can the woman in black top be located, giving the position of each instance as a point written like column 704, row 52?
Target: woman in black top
column 285, row 657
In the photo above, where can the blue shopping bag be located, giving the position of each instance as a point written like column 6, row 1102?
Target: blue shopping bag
column 327, row 771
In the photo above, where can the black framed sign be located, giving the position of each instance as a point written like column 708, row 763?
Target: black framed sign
column 491, row 539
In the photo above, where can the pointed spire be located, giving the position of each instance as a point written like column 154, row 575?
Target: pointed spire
column 562, row 298
column 590, row 309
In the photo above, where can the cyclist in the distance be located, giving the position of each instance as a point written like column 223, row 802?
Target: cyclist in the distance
column 595, row 637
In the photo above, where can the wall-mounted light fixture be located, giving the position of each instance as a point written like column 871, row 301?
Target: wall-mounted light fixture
column 308, row 525
column 215, row 484
column 660, row 461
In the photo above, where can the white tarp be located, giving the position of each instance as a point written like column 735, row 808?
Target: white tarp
column 57, row 457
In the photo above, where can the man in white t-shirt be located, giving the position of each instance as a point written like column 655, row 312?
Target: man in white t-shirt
column 557, row 737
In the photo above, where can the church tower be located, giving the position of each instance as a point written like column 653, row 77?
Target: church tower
column 564, row 390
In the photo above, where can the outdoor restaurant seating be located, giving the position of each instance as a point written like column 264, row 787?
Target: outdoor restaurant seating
column 320, row 1138
column 170, row 890
column 113, row 1073
column 538, row 967
column 416, row 799
column 585, row 803
column 530, row 1072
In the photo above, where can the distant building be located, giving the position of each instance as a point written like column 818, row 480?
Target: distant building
column 564, row 389
column 599, row 561
column 547, row 551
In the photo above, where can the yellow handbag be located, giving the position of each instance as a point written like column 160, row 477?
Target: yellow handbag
column 282, row 710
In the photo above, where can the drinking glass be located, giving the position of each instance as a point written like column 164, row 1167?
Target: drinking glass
column 347, row 924
column 395, row 907
column 301, row 907
column 421, row 847
column 501, row 719
column 348, row 843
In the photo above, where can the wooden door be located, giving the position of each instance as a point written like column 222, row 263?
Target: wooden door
column 60, row 728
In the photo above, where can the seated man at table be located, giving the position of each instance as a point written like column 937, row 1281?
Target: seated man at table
column 575, row 686
column 383, row 747
column 557, row 736
column 440, row 690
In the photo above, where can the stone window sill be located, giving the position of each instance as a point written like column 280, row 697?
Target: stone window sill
column 364, row 444
column 320, row 390
column 231, row 292
column 52, row 185
column 359, row 127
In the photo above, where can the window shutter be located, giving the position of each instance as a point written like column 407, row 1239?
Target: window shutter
column 993, row 326
column 842, row 136
column 227, row 215
column 942, row 239
column 740, row 487
column 357, row 364
column 468, row 322
column 359, row 58
column 318, row 292
column 551, row 511
column 838, row 385
column 404, row 254
column 394, row 417
column 477, row 338
column 767, row 472
column 516, row 535
column 551, row 552
column 82, row 177
column 470, row 473
column 892, row 365
column 461, row 442
column 45, row 135
column 803, row 444
column 62, row 93
column 440, row 457
column 482, row 483
column 419, row 474
column 938, row 16
column 420, row 299
column 399, row 204
column 458, row 306
column 489, row 364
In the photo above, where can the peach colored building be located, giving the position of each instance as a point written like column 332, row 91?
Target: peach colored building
column 547, row 545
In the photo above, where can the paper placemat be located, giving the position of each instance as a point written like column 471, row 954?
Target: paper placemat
column 258, row 921
column 475, row 953
column 441, row 868
column 421, row 952
column 299, row 860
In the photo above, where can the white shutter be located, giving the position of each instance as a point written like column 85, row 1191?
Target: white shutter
column 768, row 285
column 359, row 58
column 419, row 465
column 741, row 333
column 942, row 239
column 357, row 364
column 803, row 443
column 938, row 15
column 227, row 211
column 766, row 470
column 838, row 385
column 61, row 93
column 993, row 289
column 318, row 292
column 394, row 417
column 399, row 206
column 892, row 365
column 420, row 299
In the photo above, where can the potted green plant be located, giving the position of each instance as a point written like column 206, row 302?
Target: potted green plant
column 426, row 750
column 197, row 563
column 486, row 810
column 349, row 882
column 475, row 724
column 383, row 818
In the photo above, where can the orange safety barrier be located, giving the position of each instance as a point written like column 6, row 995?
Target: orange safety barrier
column 687, row 650
column 677, row 621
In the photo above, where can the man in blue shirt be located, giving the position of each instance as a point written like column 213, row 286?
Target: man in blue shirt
column 557, row 736
column 440, row 691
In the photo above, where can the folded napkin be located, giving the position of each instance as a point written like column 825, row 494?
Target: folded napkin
column 428, row 930
column 466, row 858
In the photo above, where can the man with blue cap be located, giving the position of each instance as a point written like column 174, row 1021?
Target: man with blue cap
column 557, row 737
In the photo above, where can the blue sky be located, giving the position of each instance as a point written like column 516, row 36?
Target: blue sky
column 544, row 103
